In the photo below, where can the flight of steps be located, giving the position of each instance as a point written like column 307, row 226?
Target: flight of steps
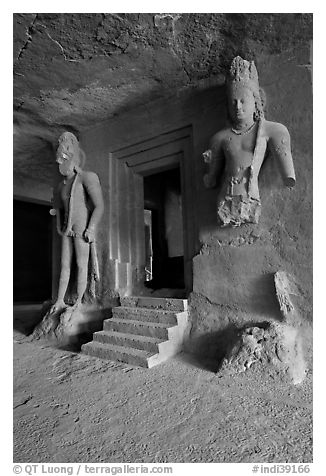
column 143, row 331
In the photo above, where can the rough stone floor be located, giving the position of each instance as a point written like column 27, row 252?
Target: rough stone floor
column 69, row 407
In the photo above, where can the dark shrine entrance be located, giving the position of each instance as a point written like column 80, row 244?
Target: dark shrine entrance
column 164, row 249
column 32, row 250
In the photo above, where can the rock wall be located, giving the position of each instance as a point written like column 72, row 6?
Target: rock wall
column 233, row 270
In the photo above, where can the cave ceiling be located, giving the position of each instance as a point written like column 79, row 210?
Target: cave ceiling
column 72, row 71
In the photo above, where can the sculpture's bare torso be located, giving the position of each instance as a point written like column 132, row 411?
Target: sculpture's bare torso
column 236, row 153
column 77, row 207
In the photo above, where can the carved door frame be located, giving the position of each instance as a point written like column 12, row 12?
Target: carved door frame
column 128, row 167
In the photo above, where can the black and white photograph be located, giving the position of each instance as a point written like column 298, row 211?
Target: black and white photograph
column 162, row 241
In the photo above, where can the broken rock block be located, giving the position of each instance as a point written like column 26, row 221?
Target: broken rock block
column 276, row 348
column 65, row 327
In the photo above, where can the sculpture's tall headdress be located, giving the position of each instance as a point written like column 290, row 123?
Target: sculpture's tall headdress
column 69, row 145
column 244, row 73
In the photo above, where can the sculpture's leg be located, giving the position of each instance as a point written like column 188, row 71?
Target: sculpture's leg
column 82, row 257
column 66, row 258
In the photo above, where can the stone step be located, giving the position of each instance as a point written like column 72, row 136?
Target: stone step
column 149, row 344
column 149, row 329
column 145, row 314
column 118, row 353
column 168, row 304
column 130, row 355
column 143, row 331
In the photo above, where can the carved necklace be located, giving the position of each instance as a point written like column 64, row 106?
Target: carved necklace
column 67, row 179
column 241, row 133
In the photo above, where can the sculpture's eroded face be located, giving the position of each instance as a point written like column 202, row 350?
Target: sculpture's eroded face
column 66, row 163
column 241, row 104
column 67, row 154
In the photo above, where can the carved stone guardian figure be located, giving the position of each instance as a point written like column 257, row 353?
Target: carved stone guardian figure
column 78, row 206
column 241, row 148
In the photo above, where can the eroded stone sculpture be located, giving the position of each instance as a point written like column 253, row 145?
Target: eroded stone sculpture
column 273, row 346
column 78, row 206
column 241, row 148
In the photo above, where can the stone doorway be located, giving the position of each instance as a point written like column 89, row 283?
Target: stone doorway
column 167, row 160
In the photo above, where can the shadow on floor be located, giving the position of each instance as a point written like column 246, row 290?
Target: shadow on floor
column 27, row 316
column 197, row 361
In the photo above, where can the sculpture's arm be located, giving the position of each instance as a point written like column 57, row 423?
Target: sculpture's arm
column 57, row 208
column 92, row 184
column 279, row 143
column 58, row 218
column 214, row 157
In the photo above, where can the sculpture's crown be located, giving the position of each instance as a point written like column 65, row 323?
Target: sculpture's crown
column 68, row 138
column 243, row 72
